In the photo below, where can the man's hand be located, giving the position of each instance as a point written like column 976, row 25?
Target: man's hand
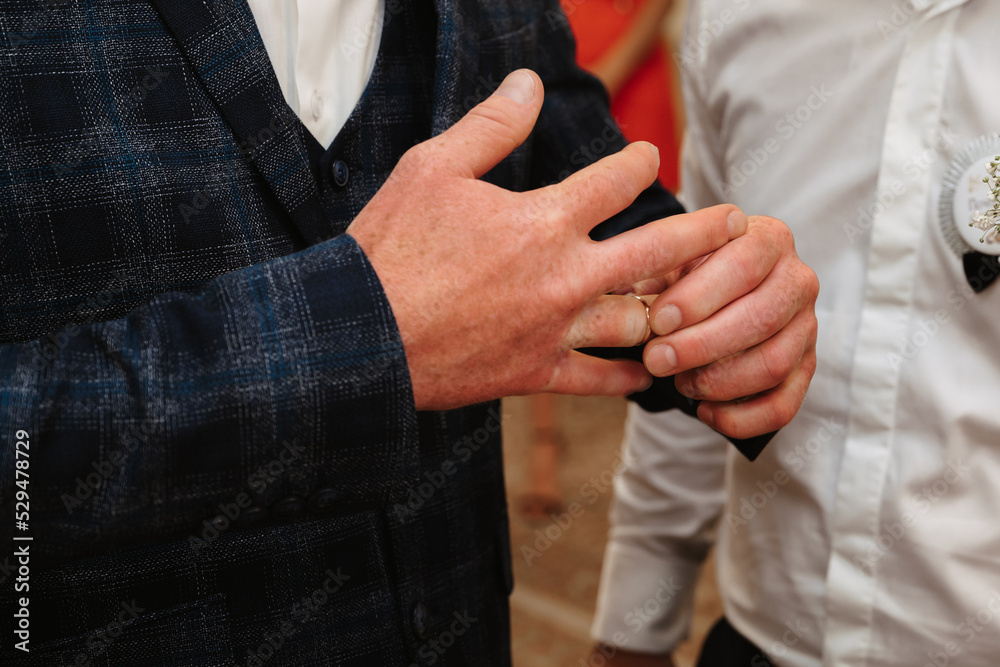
column 492, row 290
column 738, row 330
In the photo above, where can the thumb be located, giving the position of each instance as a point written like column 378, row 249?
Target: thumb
column 494, row 128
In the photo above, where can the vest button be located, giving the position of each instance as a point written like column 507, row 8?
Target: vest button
column 317, row 106
column 340, row 173
column 323, row 500
column 251, row 516
column 420, row 619
column 288, row 507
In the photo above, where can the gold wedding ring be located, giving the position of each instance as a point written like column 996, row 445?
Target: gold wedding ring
column 649, row 329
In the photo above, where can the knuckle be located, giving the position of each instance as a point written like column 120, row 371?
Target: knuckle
column 700, row 351
column 808, row 364
column 620, row 184
column 550, row 300
column 496, row 122
column 661, row 249
column 733, row 425
column 782, row 233
column 811, row 283
column 778, row 362
column 776, row 231
column 704, row 383
column 746, row 267
column 765, row 317
column 779, row 414
column 812, row 329
column 416, row 160
column 545, row 226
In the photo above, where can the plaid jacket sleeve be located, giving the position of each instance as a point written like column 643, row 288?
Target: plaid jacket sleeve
column 138, row 424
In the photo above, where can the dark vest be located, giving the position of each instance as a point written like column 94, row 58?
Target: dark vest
column 459, row 507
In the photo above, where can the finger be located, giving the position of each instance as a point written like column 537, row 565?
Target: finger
column 583, row 375
column 739, row 326
column 764, row 413
column 728, row 274
column 611, row 321
column 494, row 128
column 595, row 193
column 660, row 247
column 753, row 371
column 652, row 287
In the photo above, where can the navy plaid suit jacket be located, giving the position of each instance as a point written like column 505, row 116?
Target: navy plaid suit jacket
column 225, row 461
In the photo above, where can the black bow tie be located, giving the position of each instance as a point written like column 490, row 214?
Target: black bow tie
column 980, row 269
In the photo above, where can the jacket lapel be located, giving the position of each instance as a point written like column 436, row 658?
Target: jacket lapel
column 221, row 40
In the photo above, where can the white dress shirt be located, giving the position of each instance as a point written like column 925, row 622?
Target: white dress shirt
column 323, row 53
column 868, row 533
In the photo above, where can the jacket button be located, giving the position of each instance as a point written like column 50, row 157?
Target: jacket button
column 323, row 500
column 251, row 516
column 340, row 173
column 288, row 507
column 420, row 619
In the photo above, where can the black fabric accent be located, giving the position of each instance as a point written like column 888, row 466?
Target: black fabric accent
column 663, row 396
column 981, row 270
column 726, row 647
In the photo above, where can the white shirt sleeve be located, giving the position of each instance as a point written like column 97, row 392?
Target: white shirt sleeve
column 664, row 517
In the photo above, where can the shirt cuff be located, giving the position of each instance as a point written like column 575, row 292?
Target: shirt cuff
column 645, row 602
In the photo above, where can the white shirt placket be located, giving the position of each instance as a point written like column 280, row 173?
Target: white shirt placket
column 896, row 234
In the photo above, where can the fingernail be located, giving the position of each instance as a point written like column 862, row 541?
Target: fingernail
column 662, row 360
column 667, row 320
column 737, row 223
column 685, row 386
column 518, row 86
column 646, row 384
column 655, row 151
column 706, row 414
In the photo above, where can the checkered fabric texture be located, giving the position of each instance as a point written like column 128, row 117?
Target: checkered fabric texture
column 226, row 466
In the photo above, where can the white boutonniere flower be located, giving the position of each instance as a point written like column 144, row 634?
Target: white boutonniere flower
column 989, row 222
